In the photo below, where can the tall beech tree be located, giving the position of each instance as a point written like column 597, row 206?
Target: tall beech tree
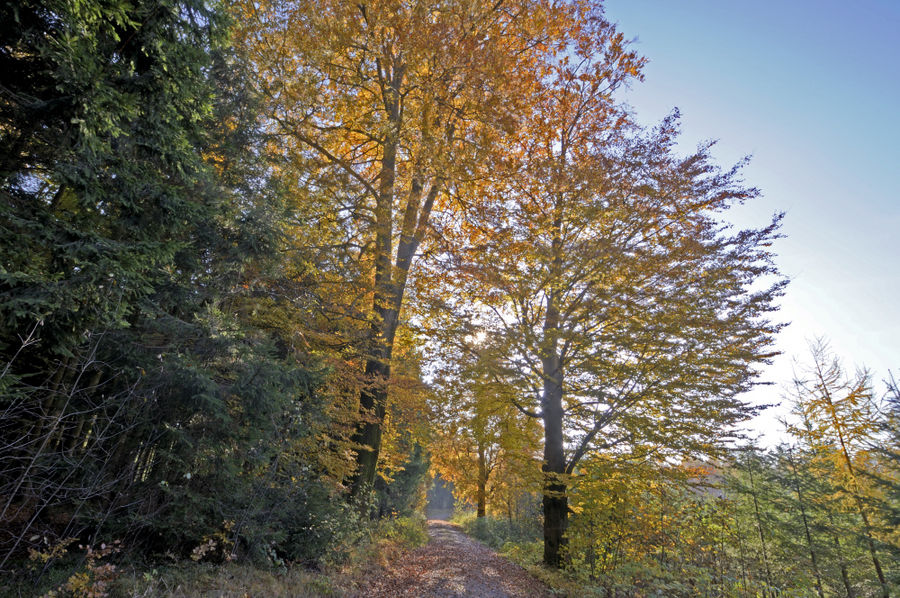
column 624, row 301
column 391, row 105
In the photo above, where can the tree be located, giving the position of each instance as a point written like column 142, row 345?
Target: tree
column 138, row 222
column 482, row 444
column 889, row 451
column 113, row 220
column 818, row 472
column 803, row 505
column 397, row 102
column 621, row 299
column 841, row 419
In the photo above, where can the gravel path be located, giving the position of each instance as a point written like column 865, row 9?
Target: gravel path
column 452, row 565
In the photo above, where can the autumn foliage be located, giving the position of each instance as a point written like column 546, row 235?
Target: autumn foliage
column 269, row 266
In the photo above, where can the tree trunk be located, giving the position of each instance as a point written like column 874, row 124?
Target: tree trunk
column 870, row 542
column 556, row 511
column 556, row 500
column 879, row 573
column 845, row 451
column 845, row 577
column 740, row 539
column 385, row 303
column 481, row 494
column 367, row 437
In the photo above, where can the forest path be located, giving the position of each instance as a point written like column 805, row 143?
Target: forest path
column 452, row 565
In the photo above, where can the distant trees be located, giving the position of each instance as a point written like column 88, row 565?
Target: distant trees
column 482, row 443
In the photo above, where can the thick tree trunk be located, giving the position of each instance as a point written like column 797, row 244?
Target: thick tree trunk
column 372, row 404
column 373, row 397
column 385, row 309
column 556, row 515
column 390, row 286
column 556, row 500
column 481, row 508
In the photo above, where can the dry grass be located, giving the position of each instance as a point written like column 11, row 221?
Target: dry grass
column 346, row 572
column 227, row 581
column 235, row 580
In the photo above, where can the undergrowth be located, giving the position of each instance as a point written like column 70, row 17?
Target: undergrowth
column 344, row 571
column 522, row 543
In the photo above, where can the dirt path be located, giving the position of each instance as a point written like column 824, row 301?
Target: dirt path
column 452, row 565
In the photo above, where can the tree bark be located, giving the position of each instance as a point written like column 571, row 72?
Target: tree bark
column 845, row 576
column 481, row 493
column 367, row 437
column 385, row 310
column 556, row 500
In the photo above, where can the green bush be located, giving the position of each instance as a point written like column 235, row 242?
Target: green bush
column 410, row 532
column 496, row 533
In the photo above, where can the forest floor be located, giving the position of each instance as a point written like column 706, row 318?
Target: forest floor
column 453, row 565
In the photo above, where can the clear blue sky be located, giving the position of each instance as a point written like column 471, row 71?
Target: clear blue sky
column 810, row 89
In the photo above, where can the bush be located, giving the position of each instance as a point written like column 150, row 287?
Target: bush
column 409, row 532
column 496, row 533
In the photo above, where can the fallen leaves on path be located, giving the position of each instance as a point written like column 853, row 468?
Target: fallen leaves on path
column 452, row 565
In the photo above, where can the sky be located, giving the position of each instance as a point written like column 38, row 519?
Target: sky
column 811, row 90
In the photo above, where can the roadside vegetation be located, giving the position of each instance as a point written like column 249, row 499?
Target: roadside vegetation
column 345, row 570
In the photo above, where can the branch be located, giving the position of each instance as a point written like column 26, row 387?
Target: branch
column 339, row 161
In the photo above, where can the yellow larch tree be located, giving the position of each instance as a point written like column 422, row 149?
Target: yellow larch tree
column 840, row 421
